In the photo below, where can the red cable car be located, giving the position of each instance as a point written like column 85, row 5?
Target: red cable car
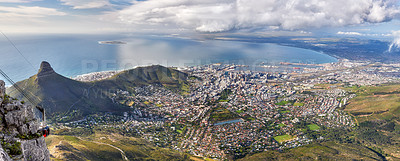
column 44, row 129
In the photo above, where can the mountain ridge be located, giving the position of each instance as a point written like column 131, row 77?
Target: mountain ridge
column 60, row 95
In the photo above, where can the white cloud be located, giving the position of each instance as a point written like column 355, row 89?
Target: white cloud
column 18, row 1
column 349, row 33
column 25, row 11
column 86, row 4
column 223, row 15
column 23, row 18
column 396, row 41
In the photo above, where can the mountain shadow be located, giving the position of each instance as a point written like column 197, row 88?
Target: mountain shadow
column 72, row 99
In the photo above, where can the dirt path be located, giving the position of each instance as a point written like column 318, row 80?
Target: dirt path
column 122, row 152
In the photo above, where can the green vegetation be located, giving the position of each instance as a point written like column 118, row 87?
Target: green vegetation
column 222, row 114
column 281, row 125
column 104, row 147
column 285, row 111
column 239, row 111
column 313, row 127
column 179, row 131
column 377, row 111
column 74, row 131
column 342, row 135
column 194, row 78
column 318, row 151
column 283, row 138
column 284, row 103
column 29, row 137
column 184, row 88
column 13, row 148
column 156, row 74
column 225, row 94
column 7, row 99
column 375, row 103
column 290, row 102
column 61, row 96
column 298, row 104
column 249, row 118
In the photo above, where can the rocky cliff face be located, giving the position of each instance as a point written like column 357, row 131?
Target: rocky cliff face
column 2, row 89
column 18, row 131
column 45, row 70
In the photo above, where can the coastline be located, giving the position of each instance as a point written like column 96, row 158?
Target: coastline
column 96, row 76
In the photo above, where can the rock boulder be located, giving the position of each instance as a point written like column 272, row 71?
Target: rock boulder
column 2, row 89
column 19, row 131
column 3, row 155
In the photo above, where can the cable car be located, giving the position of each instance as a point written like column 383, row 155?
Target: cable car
column 44, row 129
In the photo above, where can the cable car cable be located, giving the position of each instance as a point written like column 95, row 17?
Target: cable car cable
column 20, row 53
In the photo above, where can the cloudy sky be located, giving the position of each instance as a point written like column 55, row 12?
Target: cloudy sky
column 376, row 18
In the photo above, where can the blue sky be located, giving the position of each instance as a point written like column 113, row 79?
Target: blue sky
column 369, row 18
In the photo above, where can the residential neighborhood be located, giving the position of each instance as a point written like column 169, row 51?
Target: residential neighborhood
column 229, row 110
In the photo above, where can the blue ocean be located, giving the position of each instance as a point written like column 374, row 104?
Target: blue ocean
column 72, row 55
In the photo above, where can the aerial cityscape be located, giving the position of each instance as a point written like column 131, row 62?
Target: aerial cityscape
column 199, row 80
column 233, row 112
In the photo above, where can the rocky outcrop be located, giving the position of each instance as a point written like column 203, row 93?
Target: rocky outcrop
column 36, row 149
column 3, row 155
column 2, row 89
column 19, row 135
column 45, row 70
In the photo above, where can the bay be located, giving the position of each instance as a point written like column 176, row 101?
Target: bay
column 72, row 55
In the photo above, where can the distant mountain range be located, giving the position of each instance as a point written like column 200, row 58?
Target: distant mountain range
column 349, row 48
column 60, row 95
